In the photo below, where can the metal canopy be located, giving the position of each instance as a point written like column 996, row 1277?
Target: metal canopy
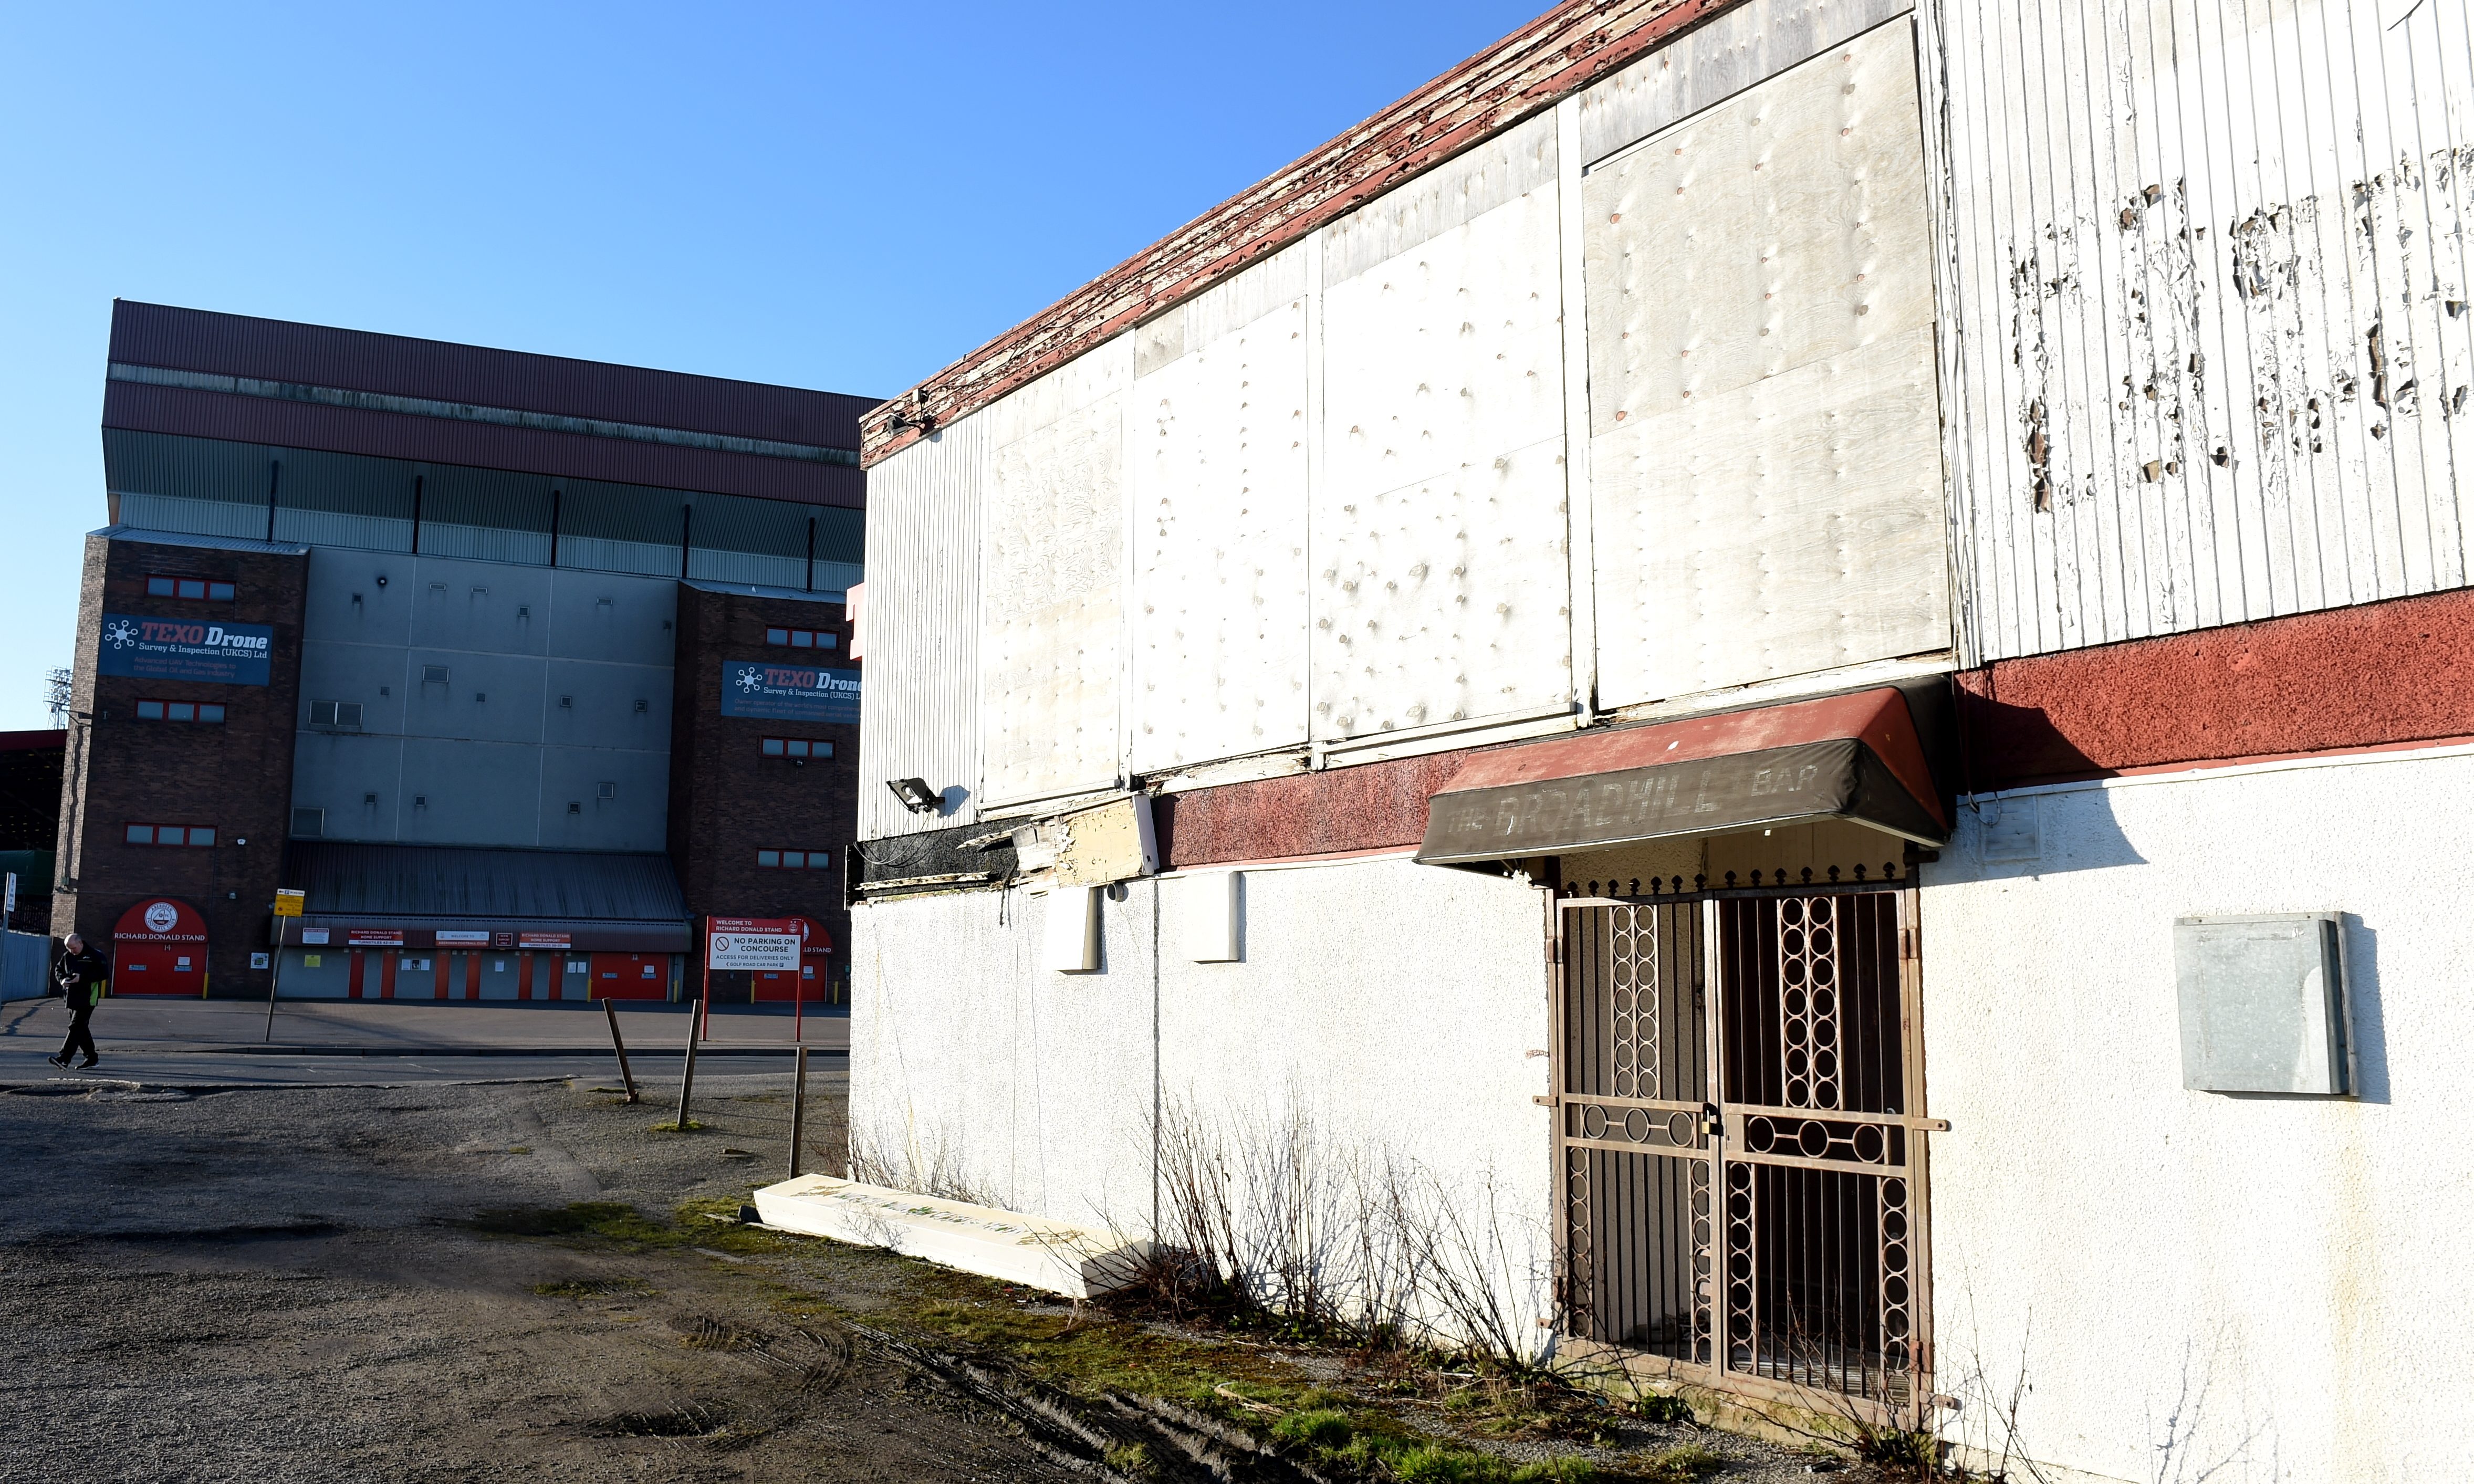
column 1844, row 757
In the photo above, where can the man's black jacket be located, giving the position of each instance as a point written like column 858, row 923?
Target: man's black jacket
column 80, row 976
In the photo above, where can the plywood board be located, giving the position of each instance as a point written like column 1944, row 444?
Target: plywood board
column 1439, row 579
column 1053, row 552
column 1218, row 626
column 1764, row 414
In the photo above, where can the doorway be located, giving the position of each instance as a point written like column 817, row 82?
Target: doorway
column 1740, row 1145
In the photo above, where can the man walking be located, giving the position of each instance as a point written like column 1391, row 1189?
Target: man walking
column 79, row 971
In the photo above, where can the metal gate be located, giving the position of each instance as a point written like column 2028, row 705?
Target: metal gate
column 1794, row 1093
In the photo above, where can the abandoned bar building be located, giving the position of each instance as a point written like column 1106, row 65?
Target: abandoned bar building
column 1815, row 652
column 514, row 665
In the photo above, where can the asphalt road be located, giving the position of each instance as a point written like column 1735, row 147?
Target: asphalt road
column 24, row 1065
column 200, row 1044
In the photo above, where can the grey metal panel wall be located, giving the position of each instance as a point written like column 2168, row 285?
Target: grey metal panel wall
column 556, row 682
column 2209, row 359
column 920, row 621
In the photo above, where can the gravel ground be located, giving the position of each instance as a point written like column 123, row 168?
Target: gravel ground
column 270, row 1286
column 289, row 1284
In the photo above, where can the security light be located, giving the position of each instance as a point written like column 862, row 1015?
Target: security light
column 915, row 794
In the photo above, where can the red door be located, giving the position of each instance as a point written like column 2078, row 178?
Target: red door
column 160, row 948
column 631, row 976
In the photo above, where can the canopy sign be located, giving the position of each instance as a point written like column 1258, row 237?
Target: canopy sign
column 788, row 693
column 1847, row 757
column 181, row 650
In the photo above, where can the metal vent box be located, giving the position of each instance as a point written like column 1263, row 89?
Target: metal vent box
column 2263, row 1005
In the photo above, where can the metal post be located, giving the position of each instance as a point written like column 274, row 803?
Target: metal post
column 687, row 1073
column 702, row 1018
column 798, row 1113
column 275, row 985
column 620, row 1046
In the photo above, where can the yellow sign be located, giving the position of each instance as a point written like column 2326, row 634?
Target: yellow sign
column 287, row 903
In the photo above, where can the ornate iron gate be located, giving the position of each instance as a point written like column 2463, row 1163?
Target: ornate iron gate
column 1793, row 1093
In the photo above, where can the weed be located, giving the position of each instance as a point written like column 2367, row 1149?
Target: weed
column 1326, row 1429
column 592, row 1288
column 1133, row 1459
column 1651, row 1407
column 674, row 1126
column 1681, row 1465
column 607, row 1219
column 1901, row 1452
column 1439, row 1463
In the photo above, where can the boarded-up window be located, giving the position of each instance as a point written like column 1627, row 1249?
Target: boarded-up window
column 1766, row 448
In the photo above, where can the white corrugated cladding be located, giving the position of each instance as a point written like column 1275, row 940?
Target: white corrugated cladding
column 2211, row 347
column 921, row 720
column 1765, row 439
column 1220, row 521
column 1442, row 588
column 1052, row 552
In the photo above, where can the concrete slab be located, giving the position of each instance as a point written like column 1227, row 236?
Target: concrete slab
column 1058, row 1256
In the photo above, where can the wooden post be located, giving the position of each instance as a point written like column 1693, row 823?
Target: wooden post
column 620, row 1047
column 798, row 1112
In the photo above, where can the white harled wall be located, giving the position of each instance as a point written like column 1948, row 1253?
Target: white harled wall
column 1394, row 1006
column 2287, row 1272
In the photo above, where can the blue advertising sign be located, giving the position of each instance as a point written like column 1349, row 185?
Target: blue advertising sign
column 185, row 649
column 788, row 693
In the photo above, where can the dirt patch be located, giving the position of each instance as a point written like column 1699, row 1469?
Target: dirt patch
column 482, row 1282
column 333, row 1288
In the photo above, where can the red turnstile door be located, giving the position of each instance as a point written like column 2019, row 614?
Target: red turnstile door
column 631, row 976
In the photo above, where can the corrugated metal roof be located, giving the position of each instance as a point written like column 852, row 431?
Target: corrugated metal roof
column 346, row 879
column 194, row 414
column 185, row 539
column 278, row 349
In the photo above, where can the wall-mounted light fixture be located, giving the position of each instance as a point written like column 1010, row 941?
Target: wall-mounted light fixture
column 915, row 794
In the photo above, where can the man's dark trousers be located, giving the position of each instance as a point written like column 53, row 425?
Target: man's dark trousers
column 79, row 1034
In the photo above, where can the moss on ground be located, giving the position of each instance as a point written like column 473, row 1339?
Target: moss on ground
column 1364, row 1432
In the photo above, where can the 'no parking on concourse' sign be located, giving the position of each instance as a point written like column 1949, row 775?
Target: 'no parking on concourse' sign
column 753, row 943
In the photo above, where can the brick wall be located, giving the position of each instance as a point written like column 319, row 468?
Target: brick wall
column 728, row 800
column 235, row 776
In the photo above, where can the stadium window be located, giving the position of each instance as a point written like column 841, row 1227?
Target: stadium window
column 169, row 835
column 180, row 711
column 161, row 586
column 795, row 860
column 796, row 748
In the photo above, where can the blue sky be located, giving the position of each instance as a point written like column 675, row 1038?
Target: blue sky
column 833, row 196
